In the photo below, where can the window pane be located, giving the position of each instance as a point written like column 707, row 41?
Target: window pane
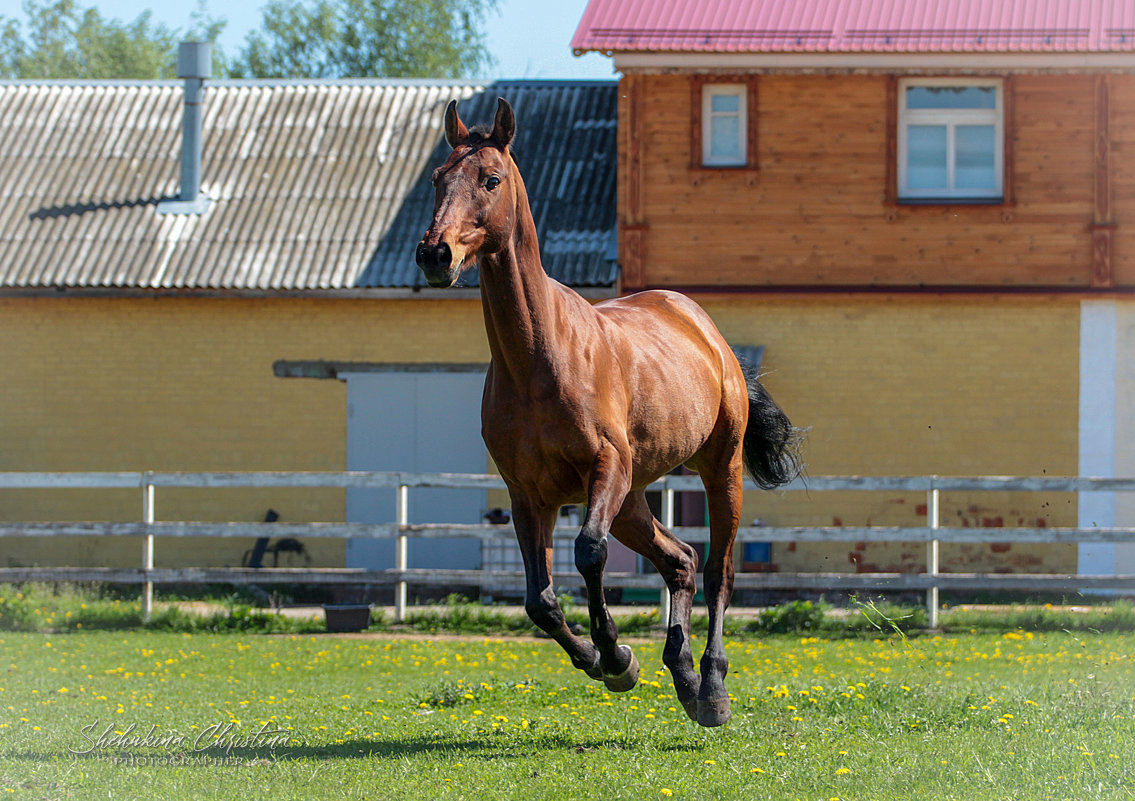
column 951, row 97
column 725, row 103
column 725, row 138
column 926, row 157
column 975, row 160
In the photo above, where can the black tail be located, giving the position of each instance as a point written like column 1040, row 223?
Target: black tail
column 771, row 449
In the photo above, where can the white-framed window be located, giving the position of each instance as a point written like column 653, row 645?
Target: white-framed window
column 951, row 140
column 724, row 117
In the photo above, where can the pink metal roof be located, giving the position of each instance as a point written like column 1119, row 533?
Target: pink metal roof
column 857, row 26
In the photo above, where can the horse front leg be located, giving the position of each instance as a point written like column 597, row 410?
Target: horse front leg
column 534, row 529
column 610, row 482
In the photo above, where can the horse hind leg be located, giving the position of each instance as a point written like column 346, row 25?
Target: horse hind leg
column 723, row 499
column 676, row 562
column 610, row 482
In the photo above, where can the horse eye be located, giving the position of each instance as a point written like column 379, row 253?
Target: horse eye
column 492, row 182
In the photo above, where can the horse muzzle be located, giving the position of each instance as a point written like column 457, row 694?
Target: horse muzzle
column 437, row 263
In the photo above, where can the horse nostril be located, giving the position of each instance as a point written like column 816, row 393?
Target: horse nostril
column 443, row 256
column 437, row 256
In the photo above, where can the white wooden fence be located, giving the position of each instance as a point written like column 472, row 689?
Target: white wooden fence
column 932, row 533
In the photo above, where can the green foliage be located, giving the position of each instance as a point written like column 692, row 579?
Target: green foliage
column 65, row 41
column 1117, row 616
column 461, row 615
column 53, row 608
column 886, row 618
column 367, row 38
column 59, row 39
column 793, row 617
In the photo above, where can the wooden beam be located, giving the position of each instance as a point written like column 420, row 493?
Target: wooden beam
column 504, row 533
column 697, row 83
column 1008, row 142
column 1103, row 226
column 375, row 479
column 763, row 581
column 891, row 189
column 320, row 368
column 632, row 227
column 752, row 152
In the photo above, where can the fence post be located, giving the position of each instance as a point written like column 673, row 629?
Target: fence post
column 147, row 546
column 668, row 521
column 932, row 559
column 401, row 550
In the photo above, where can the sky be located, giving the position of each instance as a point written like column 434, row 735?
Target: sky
column 528, row 38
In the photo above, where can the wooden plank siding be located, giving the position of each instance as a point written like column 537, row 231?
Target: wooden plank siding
column 817, row 214
column 1121, row 116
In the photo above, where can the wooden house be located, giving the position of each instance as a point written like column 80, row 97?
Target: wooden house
column 925, row 213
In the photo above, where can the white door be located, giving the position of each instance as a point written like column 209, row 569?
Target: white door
column 416, row 422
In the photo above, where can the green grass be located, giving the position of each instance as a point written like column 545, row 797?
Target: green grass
column 48, row 608
column 1013, row 715
column 52, row 608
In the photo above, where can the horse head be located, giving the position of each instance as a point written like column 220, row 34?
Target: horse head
column 474, row 197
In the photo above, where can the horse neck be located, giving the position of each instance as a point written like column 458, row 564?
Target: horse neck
column 519, row 300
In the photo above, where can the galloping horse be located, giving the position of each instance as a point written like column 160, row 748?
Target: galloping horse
column 591, row 404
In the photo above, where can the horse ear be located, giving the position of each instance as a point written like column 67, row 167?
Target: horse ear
column 504, row 126
column 455, row 130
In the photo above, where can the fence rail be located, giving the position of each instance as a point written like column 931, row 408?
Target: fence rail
column 931, row 581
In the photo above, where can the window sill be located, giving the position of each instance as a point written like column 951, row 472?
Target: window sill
column 724, row 168
column 951, row 201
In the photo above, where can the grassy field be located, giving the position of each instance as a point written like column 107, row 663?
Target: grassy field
column 159, row 715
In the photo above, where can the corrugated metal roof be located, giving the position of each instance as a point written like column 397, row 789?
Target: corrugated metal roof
column 857, row 26
column 315, row 186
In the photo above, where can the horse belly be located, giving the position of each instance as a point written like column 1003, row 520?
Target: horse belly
column 673, row 413
column 533, row 459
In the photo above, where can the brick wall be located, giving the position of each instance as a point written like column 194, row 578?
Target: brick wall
column 186, row 384
column 889, row 384
column 919, row 385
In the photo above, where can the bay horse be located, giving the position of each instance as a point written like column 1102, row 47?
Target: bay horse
column 591, row 403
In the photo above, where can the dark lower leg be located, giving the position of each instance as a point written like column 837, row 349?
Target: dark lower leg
column 615, row 660
column 679, row 572
column 723, row 501
column 534, row 533
column 713, row 698
column 607, row 492
column 676, row 562
column 544, row 610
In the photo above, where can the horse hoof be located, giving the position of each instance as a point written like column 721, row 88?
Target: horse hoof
column 627, row 679
column 691, row 708
column 713, row 713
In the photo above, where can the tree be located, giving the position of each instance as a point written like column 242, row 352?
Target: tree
column 66, row 41
column 367, row 38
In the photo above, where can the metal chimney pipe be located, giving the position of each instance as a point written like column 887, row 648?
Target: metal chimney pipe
column 194, row 65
